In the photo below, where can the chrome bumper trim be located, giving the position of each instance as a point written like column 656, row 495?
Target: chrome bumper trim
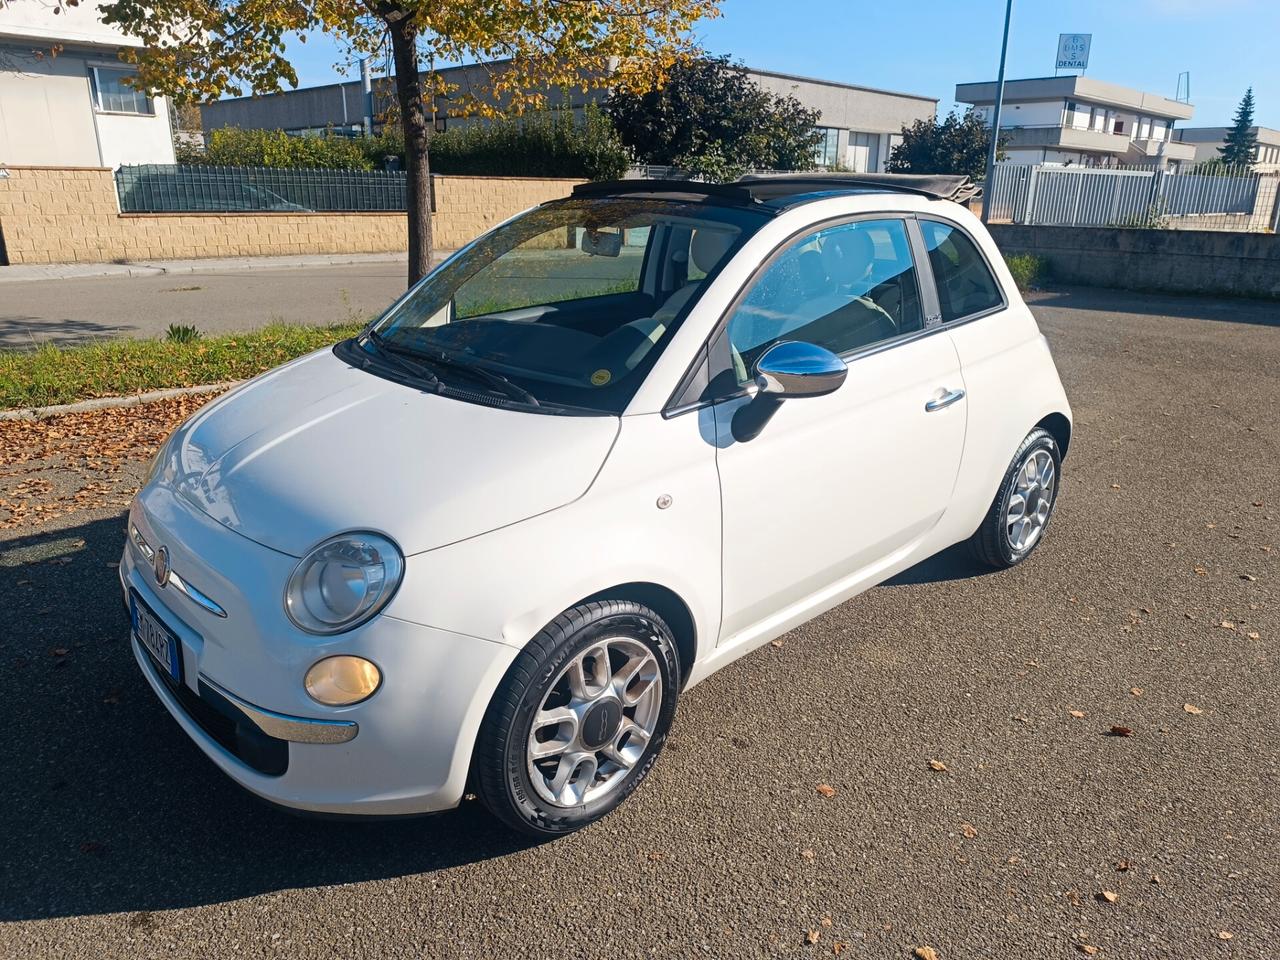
column 284, row 727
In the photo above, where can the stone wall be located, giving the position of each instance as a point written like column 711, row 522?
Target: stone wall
column 1164, row 261
column 62, row 215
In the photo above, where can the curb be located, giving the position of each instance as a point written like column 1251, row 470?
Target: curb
column 110, row 403
column 22, row 273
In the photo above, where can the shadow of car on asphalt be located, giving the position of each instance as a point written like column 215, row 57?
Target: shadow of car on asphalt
column 109, row 807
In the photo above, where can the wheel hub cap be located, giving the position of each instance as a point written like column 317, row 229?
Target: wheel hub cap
column 595, row 722
column 1031, row 500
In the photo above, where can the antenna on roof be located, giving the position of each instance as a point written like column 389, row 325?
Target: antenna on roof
column 1184, row 87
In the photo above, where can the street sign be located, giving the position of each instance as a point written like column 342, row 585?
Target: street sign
column 1073, row 51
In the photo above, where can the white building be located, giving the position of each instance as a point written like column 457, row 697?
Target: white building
column 73, row 109
column 1207, row 140
column 1080, row 120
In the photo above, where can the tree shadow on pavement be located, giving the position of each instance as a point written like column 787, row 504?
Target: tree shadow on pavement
column 28, row 333
column 1183, row 307
column 108, row 806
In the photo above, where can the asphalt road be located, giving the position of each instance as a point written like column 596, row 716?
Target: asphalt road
column 120, row 840
column 228, row 301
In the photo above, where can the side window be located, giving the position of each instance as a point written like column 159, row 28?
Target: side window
column 965, row 284
column 843, row 288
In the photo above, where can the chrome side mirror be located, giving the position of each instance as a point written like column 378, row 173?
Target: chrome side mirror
column 792, row 369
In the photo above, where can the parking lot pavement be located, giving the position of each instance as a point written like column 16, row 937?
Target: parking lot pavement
column 1152, row 606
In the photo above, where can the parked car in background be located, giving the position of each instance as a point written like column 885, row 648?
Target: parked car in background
column 606, row 449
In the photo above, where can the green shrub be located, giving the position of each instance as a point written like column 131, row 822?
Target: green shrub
column 1029, row 270
column 181, row 333
column 233, row 147
column 544, row 143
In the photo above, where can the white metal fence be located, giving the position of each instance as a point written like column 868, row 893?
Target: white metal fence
column 1054, row 195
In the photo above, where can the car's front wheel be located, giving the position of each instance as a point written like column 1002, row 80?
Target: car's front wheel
column 1019, row 515
column 579, row 718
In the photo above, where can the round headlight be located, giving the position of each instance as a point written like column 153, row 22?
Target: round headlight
column 341, row 681
column 343, row 582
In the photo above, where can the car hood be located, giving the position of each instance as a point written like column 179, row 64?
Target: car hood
column 318, row 447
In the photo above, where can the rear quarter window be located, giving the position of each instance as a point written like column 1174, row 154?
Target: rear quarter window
column 965, row 284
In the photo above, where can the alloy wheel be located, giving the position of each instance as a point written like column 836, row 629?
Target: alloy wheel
column 1031, row 501
column 595, row 722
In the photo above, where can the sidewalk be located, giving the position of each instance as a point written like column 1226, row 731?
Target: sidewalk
column 152, row 268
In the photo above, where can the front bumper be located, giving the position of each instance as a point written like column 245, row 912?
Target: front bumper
column 404, row 750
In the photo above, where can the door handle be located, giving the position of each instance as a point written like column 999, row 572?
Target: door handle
column 946, row 400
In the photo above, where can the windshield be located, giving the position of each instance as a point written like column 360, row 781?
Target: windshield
column 566, row 306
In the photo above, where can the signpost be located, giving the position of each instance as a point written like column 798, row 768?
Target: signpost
column 1073, row 51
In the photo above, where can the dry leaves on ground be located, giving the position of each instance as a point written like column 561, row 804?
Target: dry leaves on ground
column 1192, row 708
column 73, row 462
column 937, row 766
column 925, row 953
column 826, row 790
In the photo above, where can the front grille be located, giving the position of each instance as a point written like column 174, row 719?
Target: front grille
column 232, row 730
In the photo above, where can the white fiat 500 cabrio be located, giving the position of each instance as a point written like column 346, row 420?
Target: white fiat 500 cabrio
column 612, row 445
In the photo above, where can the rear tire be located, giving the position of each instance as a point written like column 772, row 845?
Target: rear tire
column 1019, row 515
column 579, row 719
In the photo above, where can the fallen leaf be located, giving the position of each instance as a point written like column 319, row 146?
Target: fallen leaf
column 1227, row 625
column 1253, row 635
column 826, row 790
column 1122, row 866
column 1155, row 878
column 1248, row 576
column 1115, row 486
column 1136, row 691
column 1087, row 949
column 1224, row 935
column 938, row 766
column 1201, row 572
column 812, row 936
column 1109, row 896
column 1192, row 708
column 969, row 830
column 1120, row 732
column 808, row 854
column 925, row 953
column 775, row 643
column 1257, row 503
column 838, row 947
column 826, row 921
column 1078, row 714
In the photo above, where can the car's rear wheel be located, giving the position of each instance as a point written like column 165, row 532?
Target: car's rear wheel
column 579, row 718
column 1019, row 515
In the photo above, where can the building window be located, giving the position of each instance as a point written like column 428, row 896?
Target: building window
column 112, row 95
column 1144, row 128
column 827, row 152
column 1119, row 126
column 864, row 152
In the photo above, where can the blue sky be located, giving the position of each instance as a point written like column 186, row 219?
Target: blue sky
column 927, row 46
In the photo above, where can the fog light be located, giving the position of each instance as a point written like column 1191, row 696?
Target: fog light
column 341, row 681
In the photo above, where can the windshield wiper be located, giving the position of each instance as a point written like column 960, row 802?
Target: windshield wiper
column 397, row 356
column 495, row 380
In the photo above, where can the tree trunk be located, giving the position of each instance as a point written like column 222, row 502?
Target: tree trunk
column 413, row 122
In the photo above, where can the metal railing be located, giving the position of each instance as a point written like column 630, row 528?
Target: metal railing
column 1050, row 195
column 184, row 188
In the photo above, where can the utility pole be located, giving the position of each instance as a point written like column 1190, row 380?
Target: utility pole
column 366, row 89
column 988, row 187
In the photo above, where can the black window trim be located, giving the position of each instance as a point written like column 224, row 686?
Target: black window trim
column 713, row 350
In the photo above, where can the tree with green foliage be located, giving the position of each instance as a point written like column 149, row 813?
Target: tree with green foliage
column 957, row 144
column 199, row 50
column 712, row 119
column 1240, row 145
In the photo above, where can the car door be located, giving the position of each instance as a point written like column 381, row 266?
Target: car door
column 834, row 489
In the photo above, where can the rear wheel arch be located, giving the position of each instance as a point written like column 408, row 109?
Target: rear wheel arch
column 1059, row 428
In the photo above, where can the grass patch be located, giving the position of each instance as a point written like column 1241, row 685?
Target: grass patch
column 52, row 374
column 1029, row 270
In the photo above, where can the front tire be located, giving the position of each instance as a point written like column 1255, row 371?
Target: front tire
column 579, row 719
column 1016, row 522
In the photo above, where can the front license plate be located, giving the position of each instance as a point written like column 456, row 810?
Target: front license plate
column 157, row 639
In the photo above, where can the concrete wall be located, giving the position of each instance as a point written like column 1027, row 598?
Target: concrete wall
column 1165, row 261
column 60, row 215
